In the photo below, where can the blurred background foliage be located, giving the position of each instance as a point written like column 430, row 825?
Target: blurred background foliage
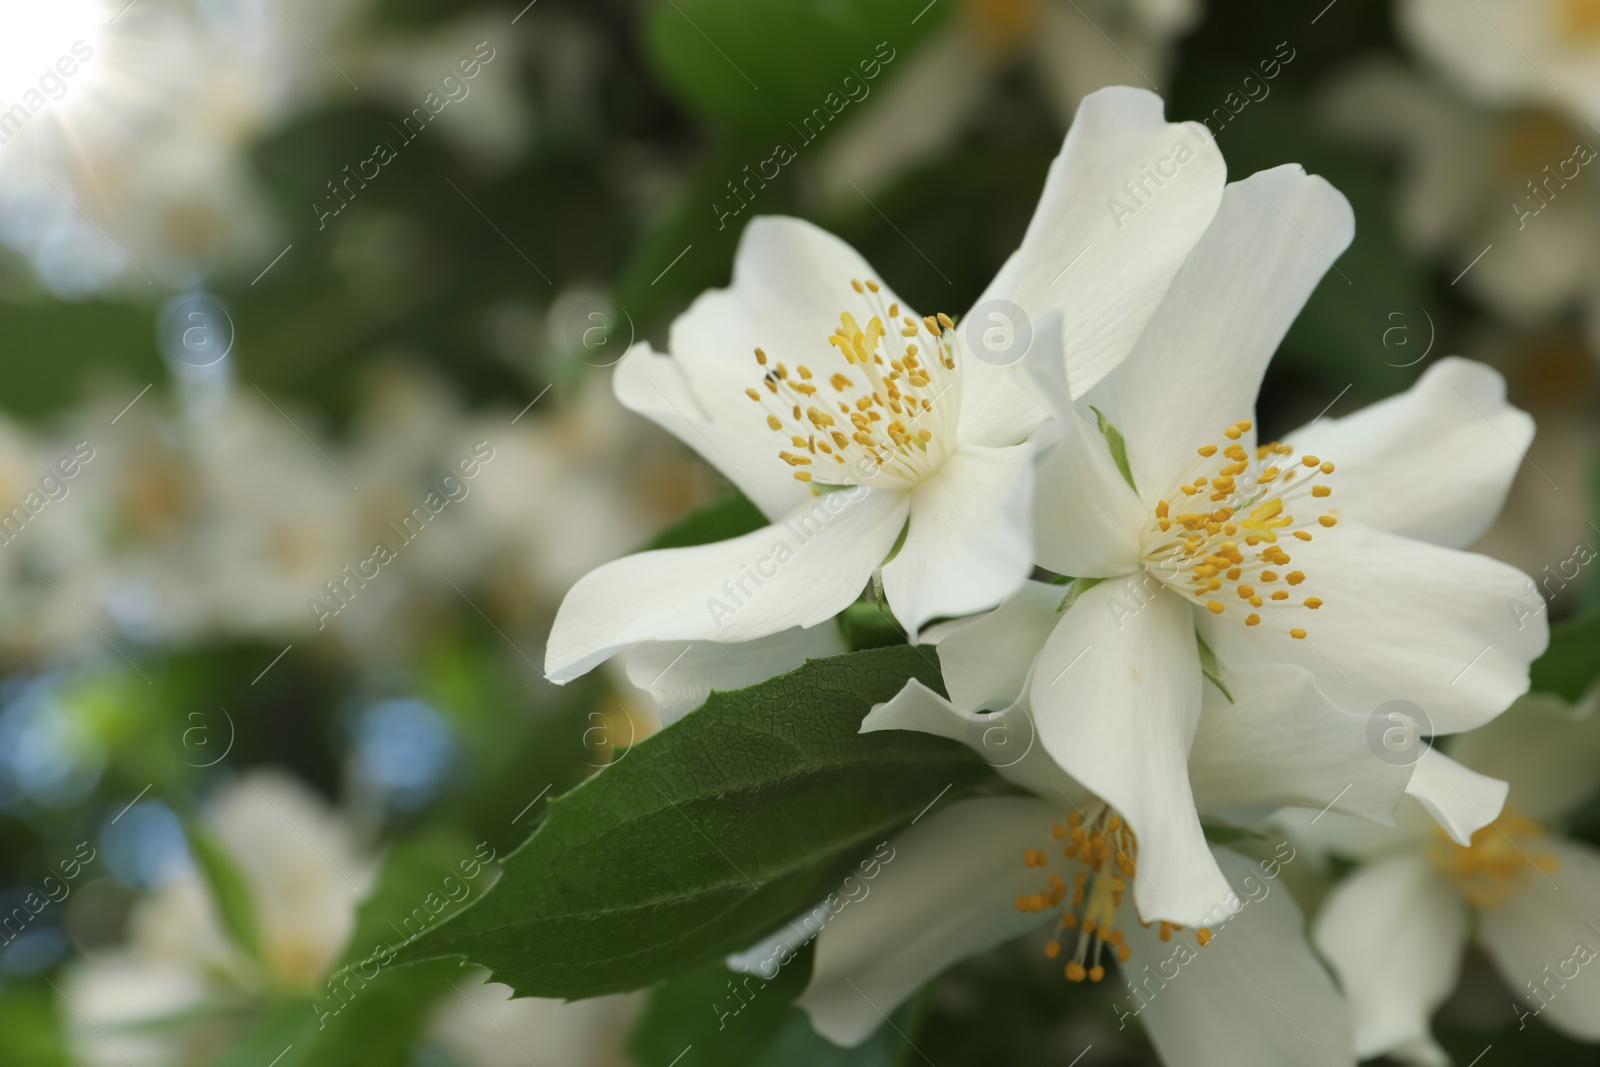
column 459, row 288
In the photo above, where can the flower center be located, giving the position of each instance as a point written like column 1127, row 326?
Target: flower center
column 1579, row 18
column 874, row 421
column 1001, row 25
column 1530, row 141
column 1227, row 551
column 1499, row 861
column 1102, row 853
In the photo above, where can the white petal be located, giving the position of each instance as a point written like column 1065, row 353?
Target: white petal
column 1534, row 938
column 949, row 891
column 1128, row 257
column 1117, row 700
column 1394, row 933
column 1327, row 834
column 1401, row 620
column 1461, row 801
column 1254, row 997
column 1006, row 739
column 970, row 541
column 1548, row 750
column 1197, row 369
column 1087, row 519
column 1282, row 743
column 985, row 660
column 653, row 385
column 791, row 282
column 796, row 573
column 999, row 404
column 1434, row 462
column 679, row 675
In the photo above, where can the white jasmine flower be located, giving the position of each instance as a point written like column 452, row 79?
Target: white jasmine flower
column 927, row 98
column 872, row 436
column 1395, row 930
column 1263, row 555
column 977, row 873
column 305, row 875
column 1514, row 51
column 1277, row 742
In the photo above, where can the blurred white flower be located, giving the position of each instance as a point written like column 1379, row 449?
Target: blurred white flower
column 1514, row 51
column 1505, row 196
column 484, row 1027
column 1073, row 48
column 1395, row 930
column 305, row 872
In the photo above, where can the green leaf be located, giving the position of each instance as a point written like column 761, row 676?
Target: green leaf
column 1119, row 447
column 732, row 1017
column 1209, row 665
column 763, row 67
column 31, row 1029
column 383, row 1018
column 732, row 516
column 870, row 624
column 229, row 890
column 1228, row 835
column 1572, row 662
column 710, row 833
column 1076, row 587
column 425, row 881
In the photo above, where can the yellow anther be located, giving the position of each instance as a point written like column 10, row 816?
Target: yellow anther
column 1214, row 606
column 1327, row 468
column 856, row 286
column 1208, row 450
column 774, row 423
column 1252, row 619
column 1281, row 594
column 1298, row 634
column 1321, row 490
column 1328, row 520
column 1295, row 577
column 761, row 357
column 1303, row 535
column 945, row 320
column 1310, row 461
column 802, row 476
column 1313, row 602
